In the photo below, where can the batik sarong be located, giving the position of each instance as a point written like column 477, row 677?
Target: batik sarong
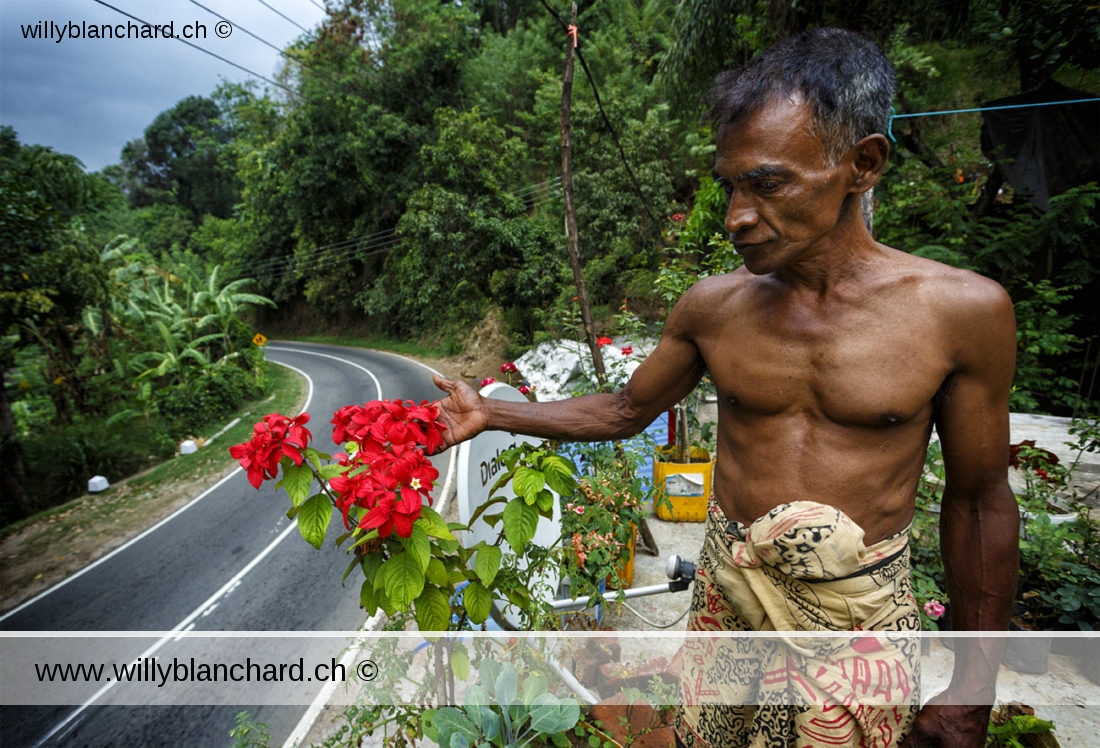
column 803, row 567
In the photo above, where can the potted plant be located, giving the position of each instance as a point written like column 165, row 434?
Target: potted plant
column 600, row 521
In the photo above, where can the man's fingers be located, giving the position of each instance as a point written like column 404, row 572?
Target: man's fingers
column 444, row 384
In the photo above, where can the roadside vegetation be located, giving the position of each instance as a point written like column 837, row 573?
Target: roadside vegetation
column 402, row 180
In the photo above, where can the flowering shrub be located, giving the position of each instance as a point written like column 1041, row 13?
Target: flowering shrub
column 409, row 557
column 599, row 524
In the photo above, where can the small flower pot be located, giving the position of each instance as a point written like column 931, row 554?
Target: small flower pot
column 626, row 568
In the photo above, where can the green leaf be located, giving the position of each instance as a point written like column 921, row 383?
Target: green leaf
column 368, row 598
column 549, row 714
column 545, row 502
column 478, row 602
column 330, row 470
column 437, row 573
column 534, row 685
column 296, row 481
column 433, row 610
column 451, row 723
column 506, row 685
column 559, row 474
column 419, row 547
column 520, row 523
column 460, row 663
column 402, row 579
column 527, row 483
column 433, row 524
column 487, row 563
column 313, row 518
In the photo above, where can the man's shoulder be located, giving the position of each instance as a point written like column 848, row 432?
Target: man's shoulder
column 950, row 287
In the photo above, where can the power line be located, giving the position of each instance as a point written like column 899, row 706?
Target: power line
column 201, row 49
column 377, row 242
column 285, row 17
column 603, row 114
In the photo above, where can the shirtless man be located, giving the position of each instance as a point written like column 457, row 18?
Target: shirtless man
column 833, row 355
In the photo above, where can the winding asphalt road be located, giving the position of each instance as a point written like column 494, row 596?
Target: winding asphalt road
column 229, row 561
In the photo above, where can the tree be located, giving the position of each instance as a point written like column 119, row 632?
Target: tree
column 466, row 235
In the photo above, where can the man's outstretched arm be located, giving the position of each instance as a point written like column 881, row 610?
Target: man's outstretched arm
column 663, row 379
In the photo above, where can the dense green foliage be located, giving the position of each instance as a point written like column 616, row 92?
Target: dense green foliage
column 405, row 176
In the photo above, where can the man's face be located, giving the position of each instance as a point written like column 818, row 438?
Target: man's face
column 785, row 200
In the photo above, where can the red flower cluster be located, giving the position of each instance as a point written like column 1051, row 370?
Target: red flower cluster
column 508, row 368
column 601, row 342
column 389, row 473
column 274, row 436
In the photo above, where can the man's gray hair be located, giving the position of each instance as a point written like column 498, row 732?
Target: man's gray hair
column 845, row 79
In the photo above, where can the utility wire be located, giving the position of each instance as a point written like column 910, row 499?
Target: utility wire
column 606, row 119
column 285, row 17
column 375, row 243
column 201, row 49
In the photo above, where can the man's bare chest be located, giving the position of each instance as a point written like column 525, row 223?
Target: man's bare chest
column 858, row 372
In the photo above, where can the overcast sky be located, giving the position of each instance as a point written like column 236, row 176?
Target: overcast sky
column 89, row 97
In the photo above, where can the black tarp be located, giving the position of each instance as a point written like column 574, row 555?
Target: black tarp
column 1044, row 150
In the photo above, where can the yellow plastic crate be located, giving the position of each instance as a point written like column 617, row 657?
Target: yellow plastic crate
column 687, row 486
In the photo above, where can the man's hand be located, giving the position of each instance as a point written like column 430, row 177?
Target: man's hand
column 943, row 725
column 462, row 411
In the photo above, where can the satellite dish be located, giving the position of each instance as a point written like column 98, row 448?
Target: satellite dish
column 479, row 468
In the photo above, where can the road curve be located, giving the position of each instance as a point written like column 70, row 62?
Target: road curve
column 230, row 561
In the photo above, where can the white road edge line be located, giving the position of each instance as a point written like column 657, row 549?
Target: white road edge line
column 224, row 589
column 305, row 724
column 197, row 611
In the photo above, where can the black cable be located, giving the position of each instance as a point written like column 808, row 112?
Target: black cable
column 201, row 49
column 606, row 119
column 285, row 17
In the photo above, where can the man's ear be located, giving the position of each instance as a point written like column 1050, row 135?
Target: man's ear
column 869, row 157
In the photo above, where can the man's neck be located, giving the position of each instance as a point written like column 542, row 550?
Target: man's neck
column 839, row 259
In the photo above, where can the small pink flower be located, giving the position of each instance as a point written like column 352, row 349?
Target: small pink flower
column 578, row 509
column 627, row 350
column 934, row 609
column 487, row 381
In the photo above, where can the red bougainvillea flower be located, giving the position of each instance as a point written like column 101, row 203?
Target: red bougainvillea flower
column 487, row 381
column 272, row 437
column 601, row 342
column 627, row 350
column 508, row 368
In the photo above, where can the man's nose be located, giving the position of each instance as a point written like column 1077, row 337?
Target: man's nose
column 740, row 214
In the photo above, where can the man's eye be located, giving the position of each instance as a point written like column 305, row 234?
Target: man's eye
column 767, row 185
